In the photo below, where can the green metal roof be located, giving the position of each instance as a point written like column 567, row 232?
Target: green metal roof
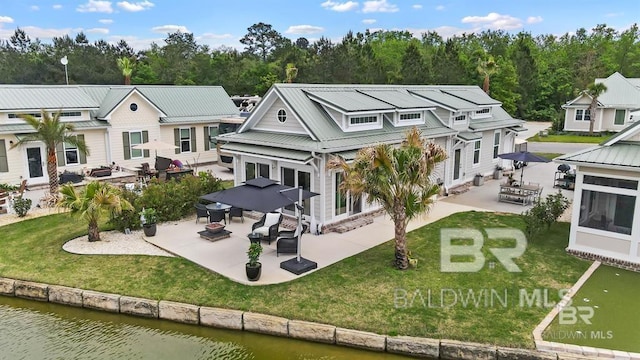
column 31, row 97
column 302, row 156
column 625, row 154
column 78, row 125
column 347, row 155
column 399, row 99
column 476, row 96
column 350, row 100
column 628, row 131
column 440, row 98
column 469, row 136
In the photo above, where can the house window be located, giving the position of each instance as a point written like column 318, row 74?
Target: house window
column 607, row 211
column 69, row 114
column 482, row 111
column 410, row 116
column 17, row 116
column 619, row 119
column 296, row 178
column 71, row 154
column 133, row 107
column 460, row 118
column 135, row 138
column 212, row 132
column 253, row 170
column 476, row 152
column 185, row 140
column 339, row 197
column 4, row 163
column 496, row 144
column 611, row 182
column 282, row 115
column 583, row 115
column 359, row 120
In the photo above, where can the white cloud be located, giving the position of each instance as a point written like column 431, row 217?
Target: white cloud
column 133, row 7
column 57, row 7
column 339, row 7
column 34, row 7
column 37, row 32
column 379, row 6
column 614, row 14
column 6, row 19
column 440, row 7
column 304, row 29
column 135, row 42
column 98, row 31
column 106, row 21
column 96, row 6
column 417, row 6
column 494, row 21
column 369, row 21
column 164, row 29
column 534, row 19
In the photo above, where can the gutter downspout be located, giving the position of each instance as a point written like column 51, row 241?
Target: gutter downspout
column 317, row 229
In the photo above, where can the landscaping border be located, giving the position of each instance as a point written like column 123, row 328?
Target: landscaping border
column 588, row 351
column 268, row 324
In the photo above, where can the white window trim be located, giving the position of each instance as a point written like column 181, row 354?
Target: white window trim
column 212, row 146
column 456, row 115
column 65, row 149
column 286, row 115
column 365, row 126
column 584, row 111
column 479, row 150
column 481, row 113
column 131, row 145
column 624, row 118
column 181, row 140
column 493, row 149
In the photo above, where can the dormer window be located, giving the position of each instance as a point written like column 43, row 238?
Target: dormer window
column 462, row 117
column 482, row 113
column 410, row 116
column 359, row 120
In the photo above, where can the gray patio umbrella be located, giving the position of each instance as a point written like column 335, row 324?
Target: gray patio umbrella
column 525, row 157
column 265, row 195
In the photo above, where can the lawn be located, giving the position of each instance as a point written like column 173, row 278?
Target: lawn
column 613, row 295
column 361, row 292
column 570, row 138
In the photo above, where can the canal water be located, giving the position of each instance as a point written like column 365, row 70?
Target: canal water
column 38, row 330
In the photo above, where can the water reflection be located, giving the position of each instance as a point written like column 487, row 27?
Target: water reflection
column 34, row 330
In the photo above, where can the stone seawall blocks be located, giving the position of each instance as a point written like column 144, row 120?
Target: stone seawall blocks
column 521, row 354
column 101, row 301
column 312, row 331
column 413, row 346
column 221, row 318
column 139, row 307
column 265, row 324
column 360, row 339
column 65, row 295
column 454, row 350
column 7, row 287
column 179, row 312
column 32, row 290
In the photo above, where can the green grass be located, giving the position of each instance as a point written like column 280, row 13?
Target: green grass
column 570, row 138
column 614, row 325
column 361, row 292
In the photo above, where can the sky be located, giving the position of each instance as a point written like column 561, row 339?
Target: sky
column 223, row 23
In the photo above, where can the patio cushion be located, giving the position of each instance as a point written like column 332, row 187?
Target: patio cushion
column 263, row 230
column 271, row 219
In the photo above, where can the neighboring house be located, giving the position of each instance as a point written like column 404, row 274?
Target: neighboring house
column 296, row 128
column 111, row 119
column 605, row 222
column 617, row 107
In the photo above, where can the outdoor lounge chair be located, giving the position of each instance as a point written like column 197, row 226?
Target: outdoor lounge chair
column 288, row 241
column 236, row 212
column 217, row 216
column 268, row 226
column 201, row 212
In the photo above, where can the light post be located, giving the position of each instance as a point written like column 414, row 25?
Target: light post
column 64, row 61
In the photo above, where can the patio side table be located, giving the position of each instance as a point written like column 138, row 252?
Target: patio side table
column 254, row 238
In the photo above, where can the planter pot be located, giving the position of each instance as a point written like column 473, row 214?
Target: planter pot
column 478, row 180
column 149, row 230
column 253, row 272
column 497, row 174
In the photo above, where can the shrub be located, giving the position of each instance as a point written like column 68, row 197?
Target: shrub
column 148, row 216
column 127, row 219
column 556, row 204
column 544, row 212
column 21, row 206
column 7, row 187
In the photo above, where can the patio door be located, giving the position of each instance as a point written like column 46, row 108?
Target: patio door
column 36, row 161
column 295, row 178
column 344, row 203
column 457, row 154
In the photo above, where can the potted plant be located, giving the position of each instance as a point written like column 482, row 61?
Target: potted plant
column 478, row 180
column 149, row 218
column 497, row 173
column 254, row 267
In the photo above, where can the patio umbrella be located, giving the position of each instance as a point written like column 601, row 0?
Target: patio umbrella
column 525, row 157
column 154, row 145
column 265, row 195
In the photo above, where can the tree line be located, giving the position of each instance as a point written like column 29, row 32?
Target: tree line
column 531, row 75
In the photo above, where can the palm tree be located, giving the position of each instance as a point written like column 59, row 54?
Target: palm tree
column 126, row 66
column 291, row 71
column 398, row 178
column 487, row 68
column 594, row 90
column 92, row 202
column 51, row 131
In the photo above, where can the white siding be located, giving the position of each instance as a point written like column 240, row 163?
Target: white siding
column 269, row 121
column 16, row 162
column 95, row 140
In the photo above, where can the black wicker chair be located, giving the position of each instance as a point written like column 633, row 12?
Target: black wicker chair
column 217, row 216
column 201, row 212
column 288, row 241
column 269, row 233
column 236, row 212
